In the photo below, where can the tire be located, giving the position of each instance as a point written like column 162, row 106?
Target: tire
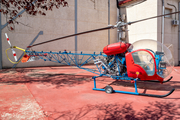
column 109, row 89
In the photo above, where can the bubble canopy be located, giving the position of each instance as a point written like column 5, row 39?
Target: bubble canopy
column 162, row 54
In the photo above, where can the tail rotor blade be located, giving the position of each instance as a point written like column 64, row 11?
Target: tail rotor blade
column 8, row 39
column 13, row 52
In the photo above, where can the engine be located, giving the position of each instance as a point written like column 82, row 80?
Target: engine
column 110, row 66
column 114, row 63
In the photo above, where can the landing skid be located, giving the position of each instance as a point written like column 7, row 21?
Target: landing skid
column 159, row 96
column 109, row 89
column 158, row 81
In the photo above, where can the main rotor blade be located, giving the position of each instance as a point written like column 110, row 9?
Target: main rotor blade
column 153, row 17
column 105, row 28
column 119, row 24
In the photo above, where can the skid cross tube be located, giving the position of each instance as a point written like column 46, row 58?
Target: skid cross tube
column 116, row 91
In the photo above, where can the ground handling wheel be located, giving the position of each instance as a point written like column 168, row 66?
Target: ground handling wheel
column 108, row 89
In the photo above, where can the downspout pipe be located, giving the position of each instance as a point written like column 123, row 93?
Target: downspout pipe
column 0, row 42
column 108, row 21
column 117, row 3
column 179, row 39
column 76, row 30
column 118, row 19
column 75, row 25
column 175, row 9
column 162, row 34
column 118, row 30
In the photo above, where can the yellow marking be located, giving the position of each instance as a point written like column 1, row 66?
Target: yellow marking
column 16, row 48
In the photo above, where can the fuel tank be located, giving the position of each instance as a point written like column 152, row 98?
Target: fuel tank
column 116, row 48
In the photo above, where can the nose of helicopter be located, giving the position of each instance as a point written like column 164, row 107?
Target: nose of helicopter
column 162, row 54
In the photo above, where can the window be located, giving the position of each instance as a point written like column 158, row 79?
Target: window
column 167, row 11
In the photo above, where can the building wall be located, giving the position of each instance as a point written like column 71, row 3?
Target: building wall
column 91, row 14
column 146, row 29
column 170, row 31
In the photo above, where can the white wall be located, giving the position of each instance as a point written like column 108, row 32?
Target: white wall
column 146, row 29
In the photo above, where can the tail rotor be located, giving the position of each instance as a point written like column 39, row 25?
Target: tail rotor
column 24, row 58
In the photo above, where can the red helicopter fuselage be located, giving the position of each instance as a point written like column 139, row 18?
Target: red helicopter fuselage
column 139, row 63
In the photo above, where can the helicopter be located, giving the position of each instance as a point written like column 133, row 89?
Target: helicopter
column 119, row 61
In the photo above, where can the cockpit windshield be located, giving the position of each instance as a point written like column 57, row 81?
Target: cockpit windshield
column 145, row 60
column 163, row 56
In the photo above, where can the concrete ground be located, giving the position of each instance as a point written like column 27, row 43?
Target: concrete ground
column 65, row 93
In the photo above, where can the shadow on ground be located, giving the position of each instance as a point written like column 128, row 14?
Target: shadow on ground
column 21, row 75
column 41, row 76
column 154, row 111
